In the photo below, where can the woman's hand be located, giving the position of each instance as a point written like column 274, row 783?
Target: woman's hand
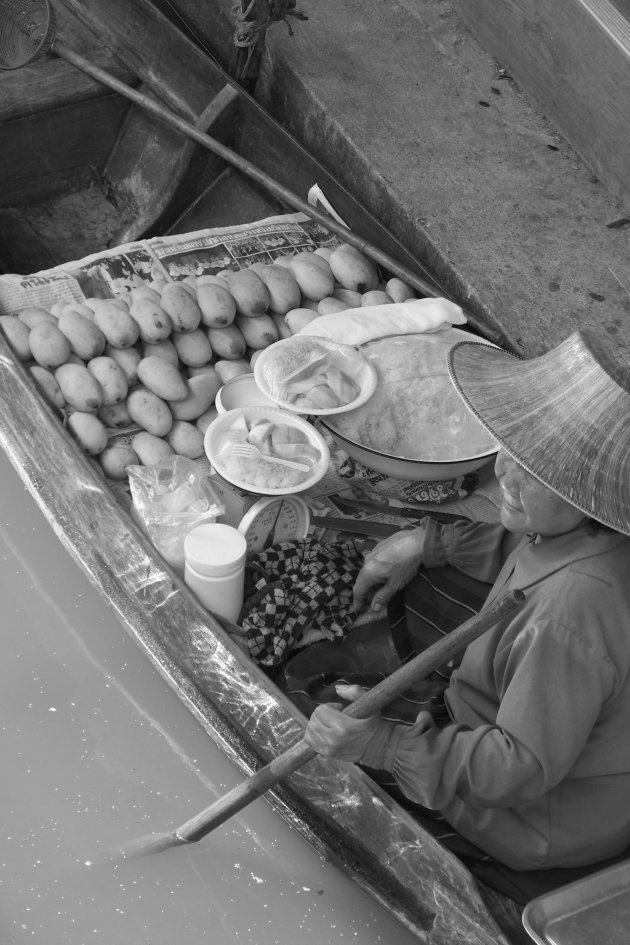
column 335, row 735
column 387, row 568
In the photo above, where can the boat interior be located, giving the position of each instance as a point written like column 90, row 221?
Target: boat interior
column 85, row 170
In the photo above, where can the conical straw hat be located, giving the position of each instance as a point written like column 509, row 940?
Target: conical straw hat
column 564, row 416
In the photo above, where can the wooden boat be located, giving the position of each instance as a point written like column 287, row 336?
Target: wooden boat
column 83, row 170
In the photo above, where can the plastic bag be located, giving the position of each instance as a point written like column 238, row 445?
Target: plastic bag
column 169, row 499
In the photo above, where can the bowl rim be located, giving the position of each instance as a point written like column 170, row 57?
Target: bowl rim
column 233, row 382
column 365, row 393
column 319, row 469
column 405, row 459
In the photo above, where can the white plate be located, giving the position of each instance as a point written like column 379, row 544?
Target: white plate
column 286, row 355
column 215, row 439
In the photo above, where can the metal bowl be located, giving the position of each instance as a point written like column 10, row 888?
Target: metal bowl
column 415, row 426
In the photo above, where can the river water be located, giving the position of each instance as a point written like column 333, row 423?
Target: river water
column 97, row 752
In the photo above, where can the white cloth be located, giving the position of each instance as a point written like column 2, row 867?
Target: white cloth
column 356, row 326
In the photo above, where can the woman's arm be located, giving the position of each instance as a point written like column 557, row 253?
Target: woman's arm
column 476, row 548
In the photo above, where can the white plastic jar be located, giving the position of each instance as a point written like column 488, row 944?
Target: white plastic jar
column 215, row 568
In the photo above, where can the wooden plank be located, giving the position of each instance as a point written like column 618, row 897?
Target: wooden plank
column 151, row 161
column 39, row 152
column 52, row 83
column 573, row 58
column 163, row 58
column 209, row 24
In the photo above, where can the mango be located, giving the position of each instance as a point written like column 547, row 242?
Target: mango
column 86, row 339
column 284, row 261
column 115, row 459
column 249, row 292
column 32, row 315
column 398, row 290
column 226, row 370
column 202, row 390
column 283, row 329
column 144, row 291
column 193, row 348
column 315, row 281
column 149, row 411
column 186, row 439
column 115, row 416
column 349, row 297
column 258, row 332
column 48, row 345
column 111, row 378
column 88, row 430
column 153, row 323
column 116, row 323
column 80, row 389
column 93, row 302
column 207, row 279
column 180, row 304
column 157, row 284
column 150, row 449
column 216, row 302
column 227, row 343
column 324, row 252
column 330, row 305
column 163, row 378
column 284, row 291
column 353, row 269
column 189, row 283
column 80, row 309
column 299, row 318
column 127, row 359
column 203, row 422
column 161, row 349
column 47, row 386
column 313, row 257
column 375, row 297
column 254, row 357
column 205, row 369
column 16, row 333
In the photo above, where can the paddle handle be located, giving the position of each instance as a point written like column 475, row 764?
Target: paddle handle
column 367, row 704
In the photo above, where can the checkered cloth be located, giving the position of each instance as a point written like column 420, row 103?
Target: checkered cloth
column 295, row 588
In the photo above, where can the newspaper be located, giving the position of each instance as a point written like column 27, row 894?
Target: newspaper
column 164, row 259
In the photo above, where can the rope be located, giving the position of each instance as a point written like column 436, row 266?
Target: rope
column 247, row 31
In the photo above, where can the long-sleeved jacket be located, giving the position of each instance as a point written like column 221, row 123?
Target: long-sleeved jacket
column 534, row 767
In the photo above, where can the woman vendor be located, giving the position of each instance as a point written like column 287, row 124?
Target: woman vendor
column 528, row 765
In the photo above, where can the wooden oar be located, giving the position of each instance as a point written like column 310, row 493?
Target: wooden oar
column 368, row 704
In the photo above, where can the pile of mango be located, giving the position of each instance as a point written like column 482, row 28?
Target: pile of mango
column 154, row 358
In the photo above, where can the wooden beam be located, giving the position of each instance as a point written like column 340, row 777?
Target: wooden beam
column 168, row 63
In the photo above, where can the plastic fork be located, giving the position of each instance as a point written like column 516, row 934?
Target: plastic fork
column 249, row 451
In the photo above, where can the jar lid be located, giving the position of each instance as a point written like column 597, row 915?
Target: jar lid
column 215, row 549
